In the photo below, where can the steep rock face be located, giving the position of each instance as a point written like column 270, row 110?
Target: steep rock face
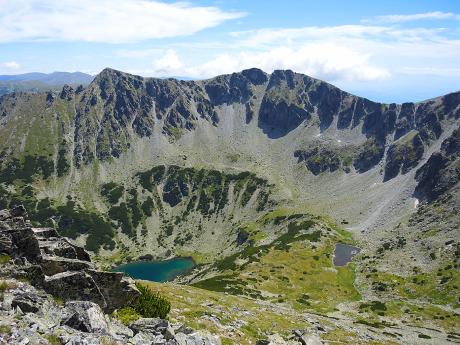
column 442, row 170
column 369, row 155
column 319, row 160
column 403, row 155
column 284, row 107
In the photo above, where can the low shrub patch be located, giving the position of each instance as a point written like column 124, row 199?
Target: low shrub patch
column 151, row 304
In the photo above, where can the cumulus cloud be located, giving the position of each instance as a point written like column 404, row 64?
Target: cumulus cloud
column 110, row 21
column 9, row 66
column 401, row 18
column 321, row 60
column 333, row 53
column 169, row 65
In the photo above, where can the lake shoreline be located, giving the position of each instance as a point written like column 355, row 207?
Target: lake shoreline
column 157, row 270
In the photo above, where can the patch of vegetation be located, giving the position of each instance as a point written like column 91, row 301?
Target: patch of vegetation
column 4, row 259
column 374, row 324
column 74, row 221
column 151, row 304
column 374, row 306
column 148, row 206
column 26, row 169
column 122, row 215
column 3, row 287
column 53, row 339
column 300, row 259
column 439, row 287
column 63, row 165
column 127, row 315
column 206, row 190
column 112, row 192
column 4, row 329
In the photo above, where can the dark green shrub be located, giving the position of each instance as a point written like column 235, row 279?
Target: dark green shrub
column 133, row 205
column 74, row 221
column 62, row 164
column 112, row 192
column 122, row 215
column 151, row 304
column 147, row 206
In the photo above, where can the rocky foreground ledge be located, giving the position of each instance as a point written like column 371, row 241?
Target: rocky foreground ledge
column 51, row 293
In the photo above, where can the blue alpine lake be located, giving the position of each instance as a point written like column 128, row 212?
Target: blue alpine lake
column 157, row 271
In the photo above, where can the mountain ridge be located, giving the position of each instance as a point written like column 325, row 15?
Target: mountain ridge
column 50, row 78
column 257, row 177
column 328, row 129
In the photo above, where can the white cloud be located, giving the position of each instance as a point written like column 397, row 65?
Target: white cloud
column 401, row 18
column 110, row 21
column 9, row 66
column 334, row 33
column 350, row 53
column 321, row 60
column 169, row 65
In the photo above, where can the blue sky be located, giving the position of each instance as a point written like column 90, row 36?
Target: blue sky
column 390, row 51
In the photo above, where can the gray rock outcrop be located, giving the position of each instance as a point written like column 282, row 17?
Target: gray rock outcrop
column 62, row 269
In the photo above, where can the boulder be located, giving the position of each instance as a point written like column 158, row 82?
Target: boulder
column 150, row 325
column 45, row 232
column 24, row 243
column 307, row 338
column 5, row 215
column 86, row 316
column 198, row 338
column 18, row 211
column 118, row 290
column 63, row 248
column 53, row 265
column 183, row 329
column 74, row 286
column 28, row 302
column 6, row 244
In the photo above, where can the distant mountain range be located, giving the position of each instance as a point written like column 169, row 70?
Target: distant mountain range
column 36, row 82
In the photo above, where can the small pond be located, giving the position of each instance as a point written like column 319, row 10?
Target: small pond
column 157, row 271
column 343, row 254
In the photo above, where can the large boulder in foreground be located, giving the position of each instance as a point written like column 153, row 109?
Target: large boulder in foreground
column 86, row 317
column 60, row 267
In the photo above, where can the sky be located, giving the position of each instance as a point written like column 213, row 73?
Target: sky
column 388, row 51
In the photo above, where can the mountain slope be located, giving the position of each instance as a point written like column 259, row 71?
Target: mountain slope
column 249, row 120
column 255, row 175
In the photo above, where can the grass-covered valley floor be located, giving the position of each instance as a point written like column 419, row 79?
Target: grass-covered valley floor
column 291, row 283
column 264, row 267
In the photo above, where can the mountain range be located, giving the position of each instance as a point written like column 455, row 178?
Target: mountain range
column 34, row 82
column 239, row 170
